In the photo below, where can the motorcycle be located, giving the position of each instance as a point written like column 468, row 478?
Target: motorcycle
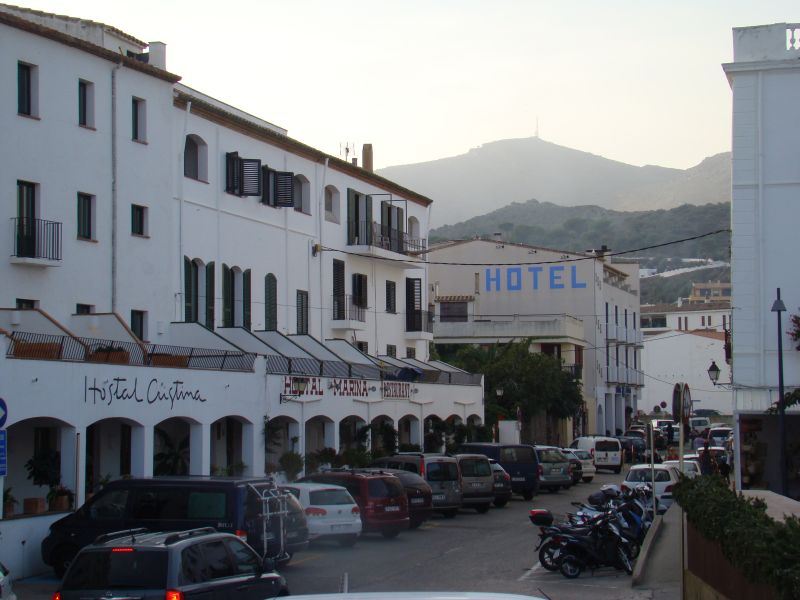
column 603, row 546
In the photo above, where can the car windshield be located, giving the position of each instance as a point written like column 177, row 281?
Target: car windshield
column 441, row 471
column 517, row 454
column 475, row 467
column 551, row 455
column 606, row 446
column 118, row 568
column 330, row 497
column 644, row 476
column 582, row 454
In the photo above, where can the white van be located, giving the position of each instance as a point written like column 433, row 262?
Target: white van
column 607, row 451
column 699, row 424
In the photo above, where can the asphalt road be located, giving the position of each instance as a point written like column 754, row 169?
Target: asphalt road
column 493, row 552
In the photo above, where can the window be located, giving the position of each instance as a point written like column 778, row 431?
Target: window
column 26, row 237
column 138, row 220
column 331, row 204
column 84, row 309
column 360, row 290
column 85, row 216
column 235, row 297
column 26, row 304
column 139, row 323
column 195, row 158
column 138, row 120
column 27, row 90
column 453, row 312
column 242, row 175
column 85, row 103
column 270, row 302
column 363, row 346
column 245, row 561
column 278, row 188
column 391, row 350
column 339, row 303
column 359, row 219
column 702, row 321
column 708, row 320
column 411, row 352
column 302, row 195
column 391, row 297
column 302, row 312
column 190, row 293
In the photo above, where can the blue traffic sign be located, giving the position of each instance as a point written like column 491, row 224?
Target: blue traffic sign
column 3, row 455
column 3, row 412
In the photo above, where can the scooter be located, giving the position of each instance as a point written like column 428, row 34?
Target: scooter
column 603, row 546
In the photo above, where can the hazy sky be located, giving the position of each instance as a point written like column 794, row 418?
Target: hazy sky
column 637, row 81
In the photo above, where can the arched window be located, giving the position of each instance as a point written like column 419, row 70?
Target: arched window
column 198, row 296
column 302, row 194
column 270, row 302
column 195, row 158
column 235, row 297
column 331, row 204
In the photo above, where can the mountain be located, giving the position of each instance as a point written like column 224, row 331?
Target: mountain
column 498, row 173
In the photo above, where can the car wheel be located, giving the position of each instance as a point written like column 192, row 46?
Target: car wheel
column 566, row 487
column 500, row 502
column 571, row 566
column 587, row 479
column 528, row 495
column 548, row 555
column 62, row 557
column 349, row 541
column 390, row 533
column 482, row 508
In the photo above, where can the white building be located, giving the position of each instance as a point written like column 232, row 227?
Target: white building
column 710, row 316
column 578, row 307
column 183, row 272
column 765, row 80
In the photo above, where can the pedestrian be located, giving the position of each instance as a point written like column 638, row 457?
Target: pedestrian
column 707, row 463
column 724, row 470
column 670, row 433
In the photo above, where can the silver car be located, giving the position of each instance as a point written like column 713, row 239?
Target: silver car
column 554, row 469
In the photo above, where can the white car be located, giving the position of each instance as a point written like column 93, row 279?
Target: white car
column 666, row 476
column 691, row 468
column 588, row 469
column 331, row 512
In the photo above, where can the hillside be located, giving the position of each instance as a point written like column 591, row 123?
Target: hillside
column 498, row 173
column 658, row 290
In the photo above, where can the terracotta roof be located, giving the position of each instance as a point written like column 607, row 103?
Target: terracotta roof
column 218, row 115
column 674, row 308
column 455, row 298
column 709, row 333
column 68, row 40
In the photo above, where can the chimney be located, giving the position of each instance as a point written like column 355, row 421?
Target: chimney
column 354, row 160
column 366, row 157
column 157, row 55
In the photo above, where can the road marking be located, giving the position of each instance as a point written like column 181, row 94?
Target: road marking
column 530, row 572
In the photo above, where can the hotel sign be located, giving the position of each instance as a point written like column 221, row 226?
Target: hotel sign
column 351, row 388
column 396, row 390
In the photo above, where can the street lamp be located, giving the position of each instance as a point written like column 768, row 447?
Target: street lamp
column 713, row 372
column 499, row 392
column 298, row 387
column 778, row 307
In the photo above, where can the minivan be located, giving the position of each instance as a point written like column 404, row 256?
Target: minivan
column 607, row 451
column 699, row 424
column 477, row 481
column 554, row 469
column 232, row 505
column 440, row 471
column 519, row 461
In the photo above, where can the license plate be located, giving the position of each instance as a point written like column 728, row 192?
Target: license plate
column 517, row 479
column 438, row 496
column 391, row 508
column 498, row 485
column 558, row 471
column 475, row 484
column 339, row 527
column 418, row 501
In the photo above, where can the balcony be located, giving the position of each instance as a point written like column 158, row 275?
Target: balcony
column 374, row 236
column 490, row 329
column 36, row 242
column 346, row 314
column 575, row 371
column 419, row 324
column 610, row 331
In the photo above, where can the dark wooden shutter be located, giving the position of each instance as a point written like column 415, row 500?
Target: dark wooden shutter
column 302, row 312
column 352, row 216
column 250, row 176
column 391, row 297
column 232, row 173
column 246, row 299
column 413, row 294
column 227, row 296
column 270, row 302
column 360, row 290
column 338, row 290
column 284, row 189
column 368, row 220
column 268, row 186
column 210, row 295
column 187, row 290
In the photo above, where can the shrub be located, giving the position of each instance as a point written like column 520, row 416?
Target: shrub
column 291, row 463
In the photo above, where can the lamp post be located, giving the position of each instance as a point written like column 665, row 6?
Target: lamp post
column 778, row 307
column 713, row 372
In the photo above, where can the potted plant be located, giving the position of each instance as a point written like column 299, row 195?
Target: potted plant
column 44, row 468
column 60, row 498
column 109, row 354
column 8, row 503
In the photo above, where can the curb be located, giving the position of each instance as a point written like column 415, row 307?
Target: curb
column 641, row 560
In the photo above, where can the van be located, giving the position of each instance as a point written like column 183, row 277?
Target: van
column 519, row 461
column 477, row 481
column 232, row 505
column 699, row 424
column 607, row 451
column 440, row 471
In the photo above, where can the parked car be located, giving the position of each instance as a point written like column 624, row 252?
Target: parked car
column 575, row 463
column 588, row 469
column 6, row 592
column 607, row 451
column 195, row 563
column 380, row 496
column 477, row 481
column 717, row 436
column 554, row 469
column 640, row 433
column 418, row 492
column 519, row 461
column 232, row 505
column 699, row 424
column 440, row 471
column 691, row 468
column 331, row 511
column 663, row 481
column 502, row 484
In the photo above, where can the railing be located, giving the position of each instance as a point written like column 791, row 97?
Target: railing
column 345, row 309
column 419, row 320
column 370, row 233
column 40, row 346
column 36, row 238
column 575, row 371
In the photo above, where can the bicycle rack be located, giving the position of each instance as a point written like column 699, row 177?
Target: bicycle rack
column 266, row 515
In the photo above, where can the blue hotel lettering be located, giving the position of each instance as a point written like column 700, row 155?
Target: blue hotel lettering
column 555, row 279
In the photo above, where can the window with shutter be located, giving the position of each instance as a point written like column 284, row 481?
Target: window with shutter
column 391, row 350
column 391, row 297
column 453, row 312
column 270, row 302
column 413, row 294
column 210, row 295
column 302, row 312
column 232, row 173
column 227, row 296
column 360, row 290
column 363, row 346
column 246, row 299
column 190, row 301
column 339, row 299
column 359, row 218
column 284, row 189
column 250, row 176
column 411, row 352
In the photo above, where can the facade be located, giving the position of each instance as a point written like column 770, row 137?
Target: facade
column 186, row 282
column 765, row 81
column 578, row 307
column 710, row 291
column 711, row 316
